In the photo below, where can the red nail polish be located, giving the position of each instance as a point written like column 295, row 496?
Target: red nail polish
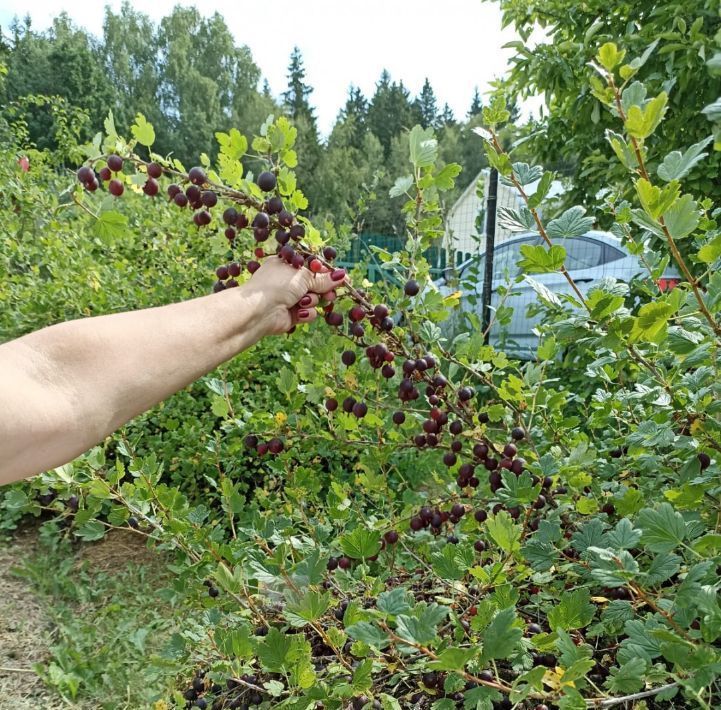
column 338, row 275
column 303, row 314
column 305, row 301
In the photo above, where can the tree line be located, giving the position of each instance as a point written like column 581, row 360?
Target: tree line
column 190, row 78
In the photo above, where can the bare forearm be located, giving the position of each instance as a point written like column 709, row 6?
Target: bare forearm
column 68, row 386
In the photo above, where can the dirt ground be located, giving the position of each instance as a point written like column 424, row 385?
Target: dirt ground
column 25, row 634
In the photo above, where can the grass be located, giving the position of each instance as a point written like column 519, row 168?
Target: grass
column 111, row 613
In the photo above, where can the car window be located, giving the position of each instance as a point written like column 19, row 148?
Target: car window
column 582, row 253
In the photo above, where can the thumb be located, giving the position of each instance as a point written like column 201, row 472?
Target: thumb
column 324, row 282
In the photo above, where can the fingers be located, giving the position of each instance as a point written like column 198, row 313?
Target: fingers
column 303, row 315
column 324, row 282
column 310, row 300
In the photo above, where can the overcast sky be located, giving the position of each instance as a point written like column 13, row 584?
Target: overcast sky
column 455, row 43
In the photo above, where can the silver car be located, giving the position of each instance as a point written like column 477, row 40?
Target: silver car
column 589, row 259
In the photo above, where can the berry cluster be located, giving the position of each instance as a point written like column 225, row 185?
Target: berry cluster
column 274, row 446
column 240, row 693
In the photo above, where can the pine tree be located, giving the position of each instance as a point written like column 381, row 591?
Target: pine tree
column 425, row 105
column 390, row 111
column 446, row 117
column 354, row 115
column 476, row 104
column 295, row 98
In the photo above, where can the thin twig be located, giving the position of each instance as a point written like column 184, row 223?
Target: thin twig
column 610, row 702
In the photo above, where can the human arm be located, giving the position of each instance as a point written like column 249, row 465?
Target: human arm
column 66, row 387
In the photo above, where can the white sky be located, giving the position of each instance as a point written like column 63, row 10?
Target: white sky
column 455, row 43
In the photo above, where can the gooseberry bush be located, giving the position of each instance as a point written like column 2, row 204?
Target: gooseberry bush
column 437, row 526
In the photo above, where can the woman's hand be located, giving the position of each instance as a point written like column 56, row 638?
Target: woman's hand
column 289, row 296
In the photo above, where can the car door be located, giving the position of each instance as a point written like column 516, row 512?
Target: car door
column 511, row 333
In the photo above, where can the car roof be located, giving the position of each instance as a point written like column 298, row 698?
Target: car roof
column 602, row 236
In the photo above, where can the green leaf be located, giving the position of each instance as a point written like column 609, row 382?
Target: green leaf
column 501, row 635
column 663, row 529
column 452, row 659
column 610, row 56
column 544, row 185
column 525, row 174
column 361, row 543
column 574, row 611
column 304, row 608
column 111, row 225
column 624, row 536
column 447, row 565
column 504, row 532
column 423, row 147
column 143, row 131
column 656, row 200
column 662, row 567
column 92, row 530
column 446, row 177
column 401, row 186
column 496, row 112
column 677, row 165
column 362, row 676
column 273, row 651
column 538, row 259
column 369, row 633
column 682, row 218
column 422, row 627
column 499, row 161
column 232, row 144
column 629, row 678
column 394, row 601
column 520, row 220
column 235, row 642
column 651, row 323
column 710, row 251
column 287, row 381
column 571, row 223
column 642, row 122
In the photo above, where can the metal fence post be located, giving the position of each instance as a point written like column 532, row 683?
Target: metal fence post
column 490, row 244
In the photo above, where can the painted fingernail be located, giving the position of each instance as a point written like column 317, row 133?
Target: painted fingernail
column 303, row 314
column 305, row 301
column 338, row 275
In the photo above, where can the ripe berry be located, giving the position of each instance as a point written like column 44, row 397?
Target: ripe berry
column 517, row 466
column 456, row 446
column 348, row 357
column 517, row 433
column 234, row 269
column 274, row 205
column 173, row 190
column 230, row 234
column 348, row 404
column 334, row 319
column 332, row 564
column 329, row 253
column 115, row 187
column 391, row 537
column 449, row 459
column 285, row 218
column 486, row 676
column 534, row 629
column 115, row 163
column 180, row 199
column 344, row 563
column 275, row 446
column 266, row 181
column 242, row 221
column 458, row 510
column 483, row 418
column 398, row 417
column 105, row 174
column 92, row 185
column 411, row 288
column 209, row 198
column 230, row 215
column 539, row 503
column 416, row 524
column 133, row 523
column 479, row 546
column 387, row 371
column 480, row 451
column 297, row 232
column 251, row 441
column 465, row 393
column 222, row 272
column 419, row 440
column 154, row 170
column 151, row 187
column 456, row 427
column 204, row 218
column 85, row 174
column 510, row 451
column 213, row 592
column 298, row 262
column 197, row 176
column 193, row 193
column 315, row 266
column 360, row 409
column 452, row 539
column 261, row 220
column 481, row 516
column 262, row 449
column 331, row 404
column 704, row 460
